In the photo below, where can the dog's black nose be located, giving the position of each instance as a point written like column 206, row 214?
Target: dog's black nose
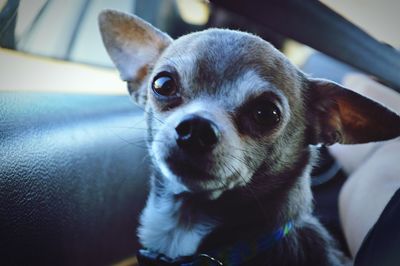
column 197, row 134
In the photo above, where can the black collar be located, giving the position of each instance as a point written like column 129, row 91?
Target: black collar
column 236, row 254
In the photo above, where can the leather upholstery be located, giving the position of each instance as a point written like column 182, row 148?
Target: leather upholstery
column 73, row 178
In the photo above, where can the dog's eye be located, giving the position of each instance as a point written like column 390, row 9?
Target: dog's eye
column 266, row 114
column 163, row 84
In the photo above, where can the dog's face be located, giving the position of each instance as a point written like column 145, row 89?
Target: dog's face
column 217, row 112
column 224, row 104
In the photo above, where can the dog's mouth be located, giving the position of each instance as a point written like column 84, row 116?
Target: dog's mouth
column 193, row 170
column 196, row 173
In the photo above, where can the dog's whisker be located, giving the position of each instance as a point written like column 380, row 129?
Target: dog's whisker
column 131, row 128
column 254, row 152
column 153, row 115
column 252, row 169
column 251, row 166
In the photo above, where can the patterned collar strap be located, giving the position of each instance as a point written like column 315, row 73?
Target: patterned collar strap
column 235, row 255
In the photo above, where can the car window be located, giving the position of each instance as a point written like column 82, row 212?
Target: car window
column 67, row 30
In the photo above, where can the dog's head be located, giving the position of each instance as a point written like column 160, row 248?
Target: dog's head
column 222, row 104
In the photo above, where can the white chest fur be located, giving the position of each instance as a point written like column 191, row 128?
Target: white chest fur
column 163, row 231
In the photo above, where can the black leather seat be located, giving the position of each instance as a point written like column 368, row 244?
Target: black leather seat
column 73, row 176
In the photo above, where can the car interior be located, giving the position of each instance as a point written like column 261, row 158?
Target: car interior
column 73, row 161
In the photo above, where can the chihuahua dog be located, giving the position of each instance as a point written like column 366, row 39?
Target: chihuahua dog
column 232, row 133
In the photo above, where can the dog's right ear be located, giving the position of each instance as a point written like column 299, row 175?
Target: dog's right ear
column 134, row 46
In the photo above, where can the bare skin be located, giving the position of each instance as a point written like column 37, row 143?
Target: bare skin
column 373, row 170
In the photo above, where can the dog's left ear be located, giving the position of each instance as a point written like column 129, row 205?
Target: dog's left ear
column 341, row 115
column 134, row 45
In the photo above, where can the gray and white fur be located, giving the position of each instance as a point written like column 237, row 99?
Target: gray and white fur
column 266, row 119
